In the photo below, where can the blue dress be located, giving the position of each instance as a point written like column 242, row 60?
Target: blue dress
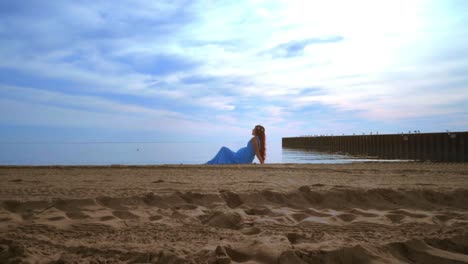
column 244, row 155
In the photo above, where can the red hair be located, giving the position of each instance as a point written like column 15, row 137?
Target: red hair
column 260, row 132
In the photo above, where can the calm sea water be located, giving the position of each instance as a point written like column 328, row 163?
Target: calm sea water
column 144, row 153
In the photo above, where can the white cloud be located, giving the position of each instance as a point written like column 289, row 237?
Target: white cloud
column 27, row 106
column 85, row 103
column 217, row 102
column 390, row 59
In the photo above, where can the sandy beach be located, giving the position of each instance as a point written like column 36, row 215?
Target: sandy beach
column 327, row 213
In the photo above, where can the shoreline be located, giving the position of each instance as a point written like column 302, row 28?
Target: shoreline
column 367, row 161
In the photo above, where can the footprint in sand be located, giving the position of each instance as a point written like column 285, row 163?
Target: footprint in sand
column 16, row 180
column 362, row 213
column 232, row 199
column 29, row 216
column 155, row 217
column 178, row 215
column 315, row 213
column 395, row 218
column 346, row 217
column 73, row 205
column 30, row 206
column 222, row 219
column 56, row 218
column 77, row 215
column 251, row 231
column 257, row 211
column 294, row 238
column 11, row 205
column 158, row 181
column 255, row 182
column 124, row 215
column 406, row 213
column 443, row 218
column 186, row 207
column 5, row 219
column 107, row 218
column 109, row 202
column 299, row 216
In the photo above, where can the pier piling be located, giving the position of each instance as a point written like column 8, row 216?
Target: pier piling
column 441, row 147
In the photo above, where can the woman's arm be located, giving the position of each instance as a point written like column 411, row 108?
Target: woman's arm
column 257, row 150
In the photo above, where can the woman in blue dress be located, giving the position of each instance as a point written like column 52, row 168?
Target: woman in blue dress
column 255, row 147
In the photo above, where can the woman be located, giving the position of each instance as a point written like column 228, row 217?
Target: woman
column 255, row 147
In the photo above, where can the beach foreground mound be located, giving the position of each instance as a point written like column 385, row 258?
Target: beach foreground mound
column 354, row 213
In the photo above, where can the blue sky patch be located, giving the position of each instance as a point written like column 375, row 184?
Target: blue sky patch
column 196, row 69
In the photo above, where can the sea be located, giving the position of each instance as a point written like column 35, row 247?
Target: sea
column 147, row 153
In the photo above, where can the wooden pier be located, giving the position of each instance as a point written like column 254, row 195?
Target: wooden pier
column 441, row 147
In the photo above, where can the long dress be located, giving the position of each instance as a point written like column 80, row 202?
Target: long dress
column 244, row 155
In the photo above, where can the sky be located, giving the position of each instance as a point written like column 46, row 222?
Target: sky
column 211, row 70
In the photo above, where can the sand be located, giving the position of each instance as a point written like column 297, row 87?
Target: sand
column 348, row 213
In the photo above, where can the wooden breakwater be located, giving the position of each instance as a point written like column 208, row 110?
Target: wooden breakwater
column 443, row 147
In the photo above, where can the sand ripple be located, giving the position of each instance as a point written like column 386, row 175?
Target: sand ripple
column 310, row 223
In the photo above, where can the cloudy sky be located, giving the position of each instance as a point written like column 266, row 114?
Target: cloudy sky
column 202, row 70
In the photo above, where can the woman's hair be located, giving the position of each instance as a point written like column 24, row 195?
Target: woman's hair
column 260, row 132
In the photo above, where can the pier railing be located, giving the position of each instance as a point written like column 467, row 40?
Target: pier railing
column 443, row 147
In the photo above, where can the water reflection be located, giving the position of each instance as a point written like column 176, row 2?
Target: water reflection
column 134, row 153
column 294, row 155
